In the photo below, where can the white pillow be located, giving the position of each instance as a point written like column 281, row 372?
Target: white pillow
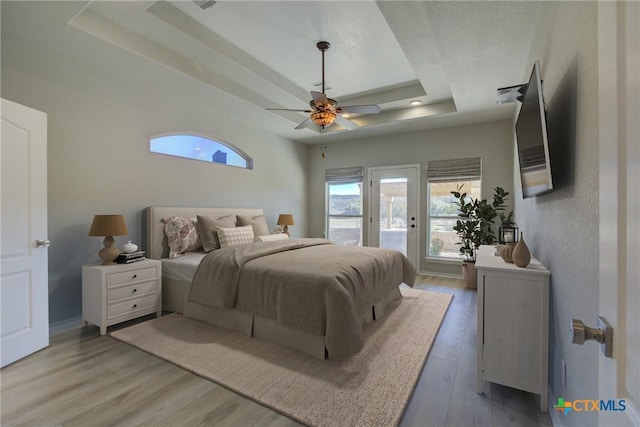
column 235, row 236
column 271, row 237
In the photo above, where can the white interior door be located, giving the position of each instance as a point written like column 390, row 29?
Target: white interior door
column 24, row 293
column 394, row 209
column 619, row 82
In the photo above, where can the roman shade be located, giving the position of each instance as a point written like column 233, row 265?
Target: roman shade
column 454, row 170
column 344, row 175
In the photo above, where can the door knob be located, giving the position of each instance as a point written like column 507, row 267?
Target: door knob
column 43, row 243
column 603, row 333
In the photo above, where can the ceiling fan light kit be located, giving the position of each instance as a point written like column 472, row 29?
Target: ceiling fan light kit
column 325, row 111
column 323, row 118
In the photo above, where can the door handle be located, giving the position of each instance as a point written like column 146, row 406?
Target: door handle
column 603, row 333
column 43, row 243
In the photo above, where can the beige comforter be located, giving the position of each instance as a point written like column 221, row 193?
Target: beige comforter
column 310, row 285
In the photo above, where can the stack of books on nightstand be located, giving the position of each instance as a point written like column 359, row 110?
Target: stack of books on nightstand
column 130, row 257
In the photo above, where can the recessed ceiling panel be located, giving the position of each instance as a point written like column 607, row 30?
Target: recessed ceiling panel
column 364, row 54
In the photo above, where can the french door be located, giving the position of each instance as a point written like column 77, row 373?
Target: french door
column 393, row 208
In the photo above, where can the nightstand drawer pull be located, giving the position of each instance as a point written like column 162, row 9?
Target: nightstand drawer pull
column 115, row 293
column 131, row 275
column 148, row 302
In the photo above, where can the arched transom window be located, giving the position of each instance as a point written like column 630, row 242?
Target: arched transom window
column 199, row 147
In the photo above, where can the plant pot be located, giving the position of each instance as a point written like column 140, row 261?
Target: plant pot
column 470, row 274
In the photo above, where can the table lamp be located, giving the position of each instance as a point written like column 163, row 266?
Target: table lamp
column 285, row 220
column 108, row 226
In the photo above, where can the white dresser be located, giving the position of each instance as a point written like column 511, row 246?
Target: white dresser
column 115, row 293
column 513, row 324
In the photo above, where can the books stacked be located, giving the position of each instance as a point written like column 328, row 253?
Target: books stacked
column 130, row 257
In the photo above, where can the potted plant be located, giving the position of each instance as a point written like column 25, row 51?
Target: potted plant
column 475, row 227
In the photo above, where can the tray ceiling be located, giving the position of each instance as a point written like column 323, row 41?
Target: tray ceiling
column 452, row 56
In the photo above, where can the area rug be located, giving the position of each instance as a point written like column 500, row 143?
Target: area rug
column 370, row 388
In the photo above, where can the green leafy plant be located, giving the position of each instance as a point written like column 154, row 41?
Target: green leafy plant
column 475, row 226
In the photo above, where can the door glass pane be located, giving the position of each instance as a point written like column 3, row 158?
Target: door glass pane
column 393, row 214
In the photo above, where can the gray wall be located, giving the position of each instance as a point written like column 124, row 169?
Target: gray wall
column 561, row 227
column 493, row 142
column 103, row 104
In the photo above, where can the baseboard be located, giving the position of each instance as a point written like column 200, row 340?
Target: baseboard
column 443, row 275
column 56, row 328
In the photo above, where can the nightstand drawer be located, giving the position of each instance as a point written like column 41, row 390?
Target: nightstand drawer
column 139, row 289
column 132, row 305
column 130, row 276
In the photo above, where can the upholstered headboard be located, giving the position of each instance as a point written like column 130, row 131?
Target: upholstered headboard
column 156, row 240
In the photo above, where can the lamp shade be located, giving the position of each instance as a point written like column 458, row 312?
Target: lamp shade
column 108, row 225
column 285, row 219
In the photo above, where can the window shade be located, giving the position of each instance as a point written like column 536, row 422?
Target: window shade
column 454, row 170
column 344, row 175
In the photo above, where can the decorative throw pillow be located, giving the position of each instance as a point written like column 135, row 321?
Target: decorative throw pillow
column 235, row 236
column 271, row 237
column 207, row 228
column 258, row 222
column 182, row 235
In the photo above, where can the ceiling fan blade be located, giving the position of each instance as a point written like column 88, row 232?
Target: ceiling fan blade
column 304, row 124
column 319, row 98
column 345, row 123
column 288, row 109
column 360, row 109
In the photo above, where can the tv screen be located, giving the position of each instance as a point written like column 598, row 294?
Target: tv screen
column 532, row 142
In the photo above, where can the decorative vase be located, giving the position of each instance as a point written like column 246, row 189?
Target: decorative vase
column 521, row 255
column 129, row 247
column 507, row 252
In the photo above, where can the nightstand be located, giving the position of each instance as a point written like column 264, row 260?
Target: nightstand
column 116, row 293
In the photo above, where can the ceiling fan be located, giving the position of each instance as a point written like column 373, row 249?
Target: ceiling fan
column 325, row 111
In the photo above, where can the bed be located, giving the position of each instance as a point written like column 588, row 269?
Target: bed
column 297, row 302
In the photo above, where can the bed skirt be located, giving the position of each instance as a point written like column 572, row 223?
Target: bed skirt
column 175, row 299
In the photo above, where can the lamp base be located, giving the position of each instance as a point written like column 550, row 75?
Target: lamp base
column 109, row 253
column 285, row 230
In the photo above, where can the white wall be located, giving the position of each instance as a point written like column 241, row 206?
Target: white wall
column 490, row 141
column 103, row 104
column 561, row 228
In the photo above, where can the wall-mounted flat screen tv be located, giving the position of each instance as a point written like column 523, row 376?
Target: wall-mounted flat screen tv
column 532, row 142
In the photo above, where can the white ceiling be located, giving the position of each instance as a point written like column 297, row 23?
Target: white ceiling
column 450, row 55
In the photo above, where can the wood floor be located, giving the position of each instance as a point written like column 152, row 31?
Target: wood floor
column 84, row 379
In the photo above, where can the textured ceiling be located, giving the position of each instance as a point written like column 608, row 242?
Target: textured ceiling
column 450, row 55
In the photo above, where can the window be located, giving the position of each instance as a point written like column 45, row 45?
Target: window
column 344, row 205
column 198, row 147
column 443, row 177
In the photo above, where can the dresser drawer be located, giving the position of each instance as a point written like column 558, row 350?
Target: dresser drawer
column 132, row 305
column 130, row 276
column 115, row 293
